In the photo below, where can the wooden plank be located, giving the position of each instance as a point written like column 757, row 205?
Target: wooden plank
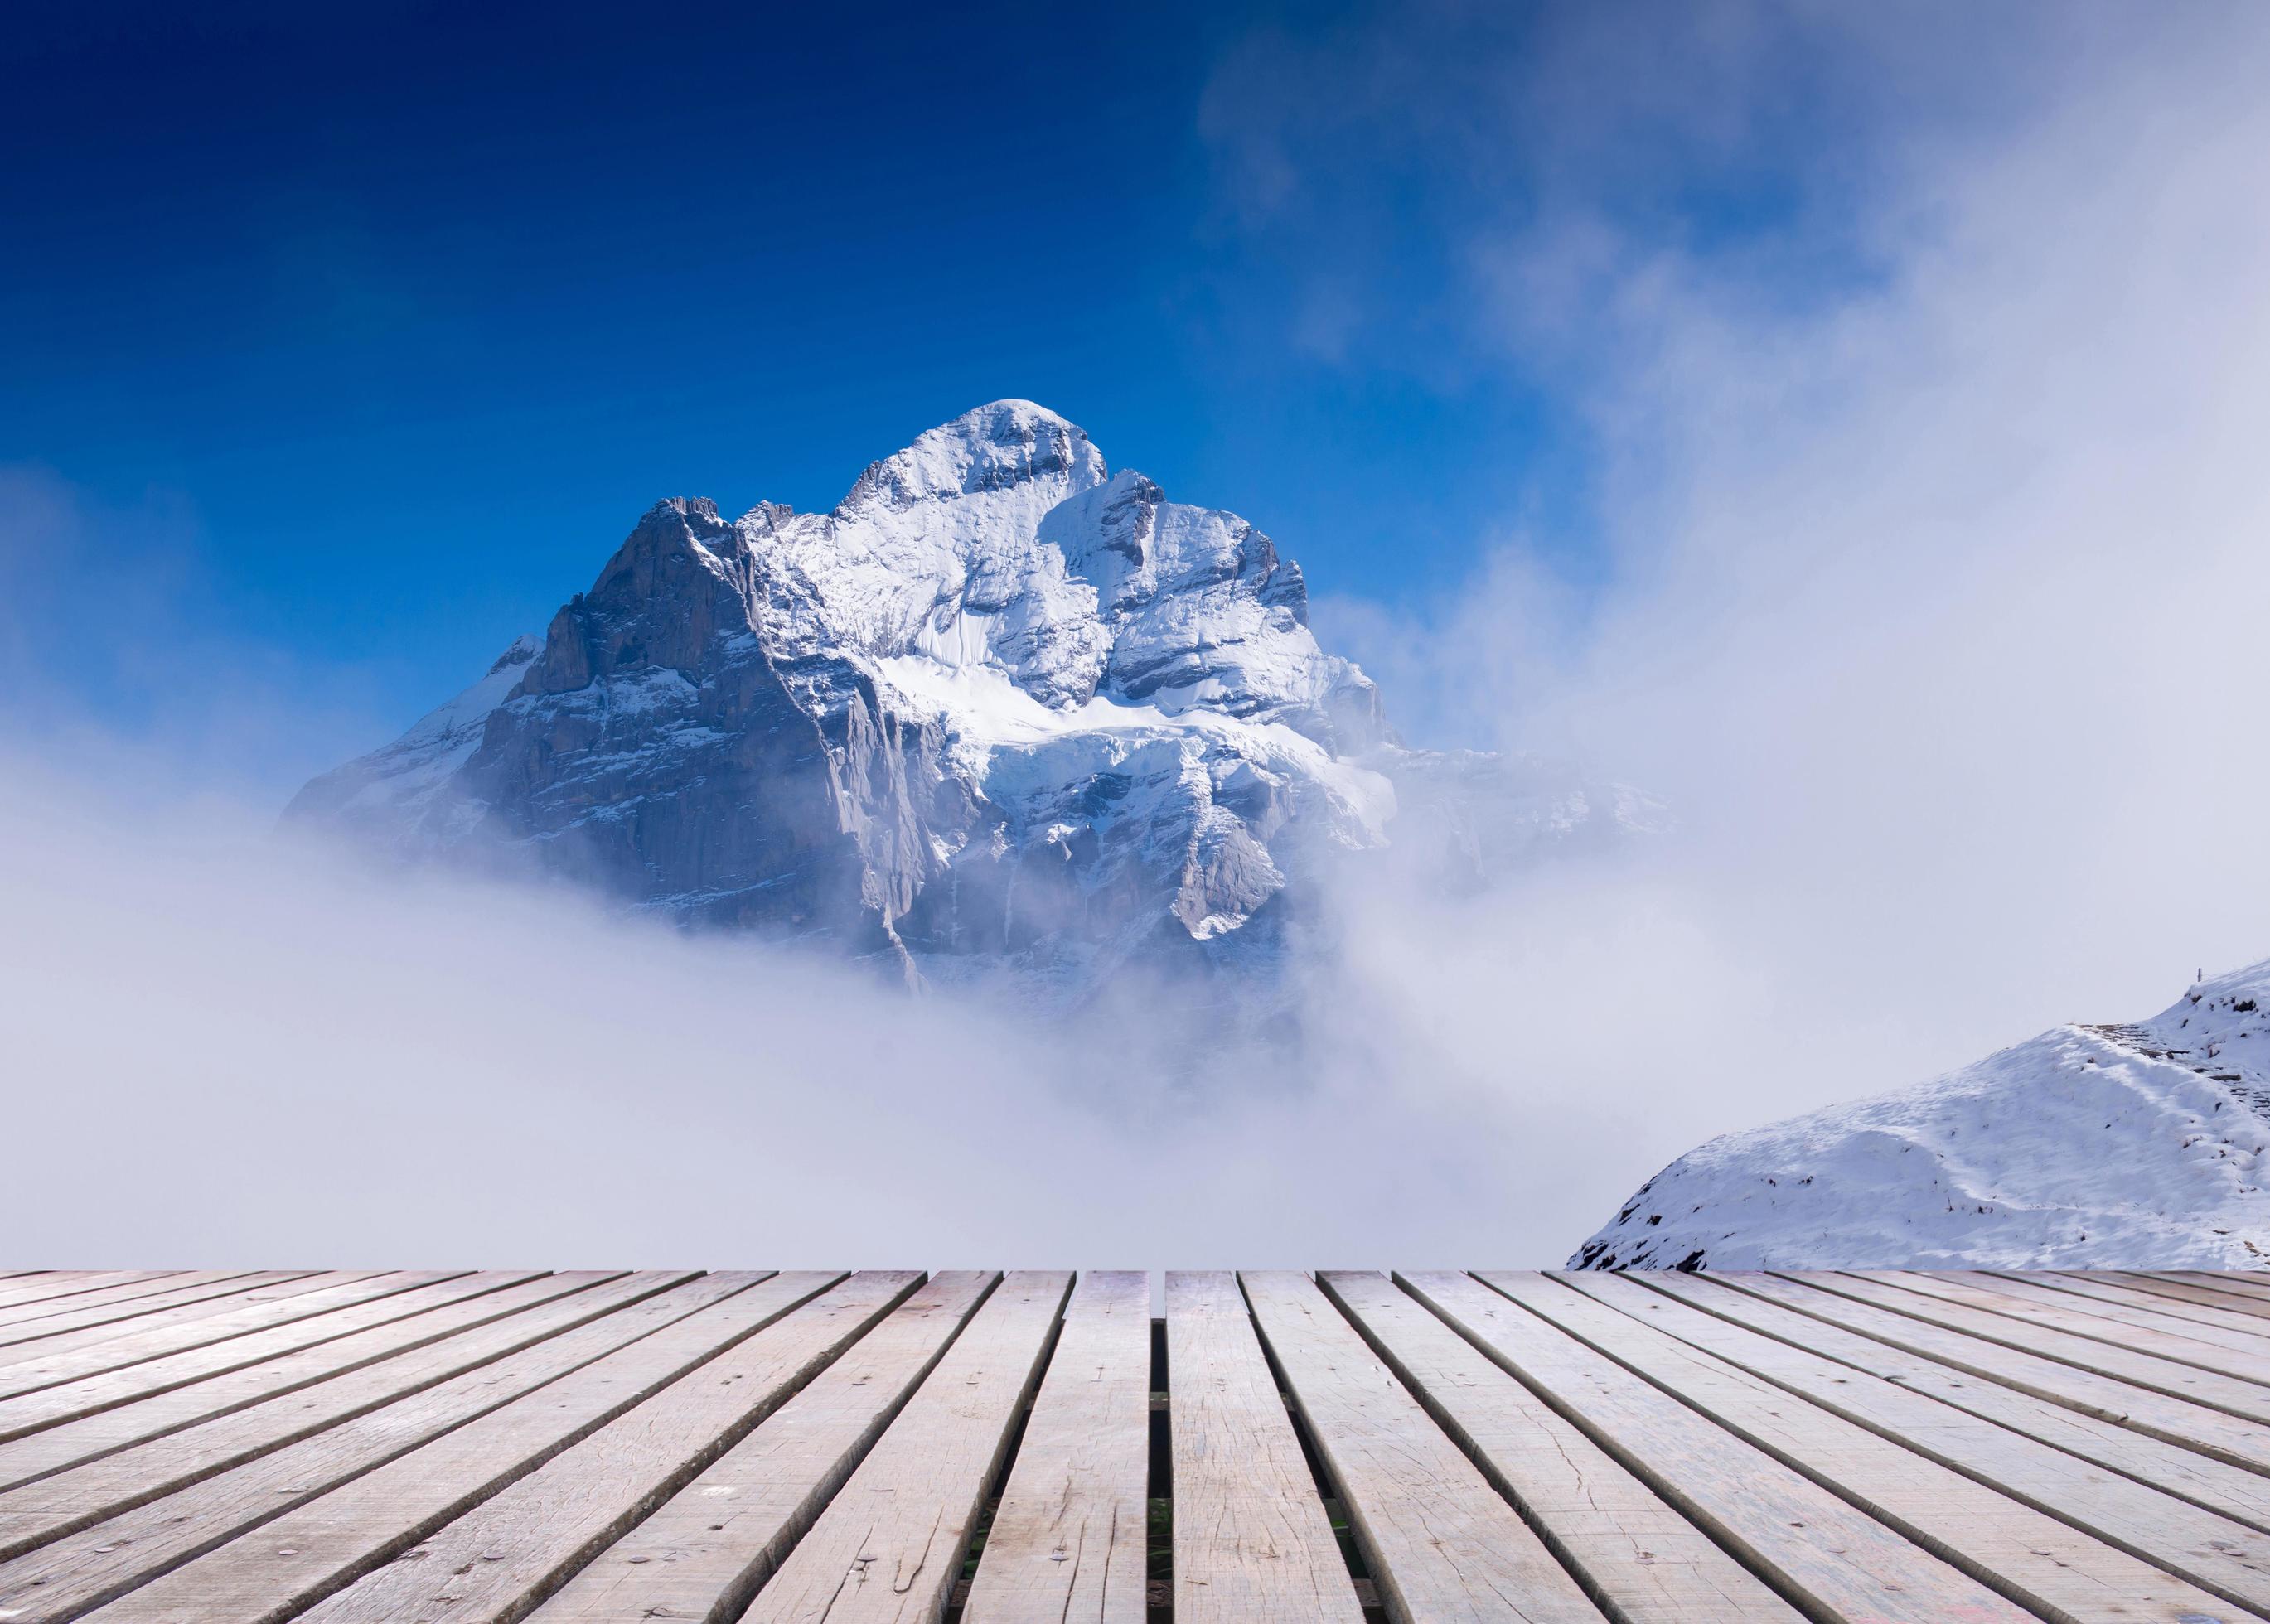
column 2197, row 1345
column 890, row 1544
column 187, row 1298
column 703, row 1553
column 2173, row 1312
column 2183, row 1291
column 40, row 1282
column 278, row 1389
column 92, row 1491
column 38, row 1301
column 2228, row 1558
column 384, row 1300
column 111, row 1348
column 2156, row 1415
column 286, row 1566
column 1645, row 1561
column 2204, row 1480
column 1837, row 1562
column 1069, row 1540
column 2032, row 1558
column 2254, row 1288
column 64, row 1575
column 499, row 1558
column 1438, row 1540
column 2231, row 1394
column 1251, row 1539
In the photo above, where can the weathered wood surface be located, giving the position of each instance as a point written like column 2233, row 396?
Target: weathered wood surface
column 1068, row 1540
column 2213, row 1551
column 68, row 1358
column 54, row 1295
column 499, row 1558
column 2232, row 1394
column 280, row 1570
column 2255, row 1287
column 890, row 1544
column 463, row 1448
column 80, row 1323
column 91, row 1562
column 2031, row 1557
column 1439, row 1540
column 2199, row 1346
column 2194, row 1426
column 64, row 1397
column 2203, row 1480
column 2175, row 1310
column 704, row 1551
column 1620, row 1539
column 1843, row 1563
column 1251, row 1539
column 89, row 1490
column 2168, row 1286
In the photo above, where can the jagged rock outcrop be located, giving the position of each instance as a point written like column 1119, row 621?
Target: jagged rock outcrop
column 1000, row 706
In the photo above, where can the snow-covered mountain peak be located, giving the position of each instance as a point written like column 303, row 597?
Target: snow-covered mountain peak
column 996, row 706
column 995, row 447
column 516, row 654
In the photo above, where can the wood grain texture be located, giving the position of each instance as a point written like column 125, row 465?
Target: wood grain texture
column 2230, row 1558
column 506, row 1555
column 2184, row 1290
column 703, row 1553
column 172, row 1330
column 2034, row 1559
column 889, row 1546
column 49, row 1295
column 1836, row 1561
column 2197, row 1345
column 2230, row 1394
column 287, row 1565
column 2173, row 1311
column 2146, row 1410
column 1251, row 1539
column 1439, row 1541
column 82, row 1322
column 2253, row 1287
column 2086, row 1447
column 2203, row 1480
column 383, row 1302
column 1068, row 1541
column 1644, row 1558
column 117, row 1480
column 62, row 1575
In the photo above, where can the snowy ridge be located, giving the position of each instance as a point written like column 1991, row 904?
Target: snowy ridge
column 2142, row 1146
column 999, row 707
column 405, row 775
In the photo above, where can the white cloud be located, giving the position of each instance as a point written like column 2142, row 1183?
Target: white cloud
column 1937, row 611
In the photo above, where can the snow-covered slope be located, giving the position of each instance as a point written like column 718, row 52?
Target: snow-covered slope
column 2123, row 1146
column 1000, row 706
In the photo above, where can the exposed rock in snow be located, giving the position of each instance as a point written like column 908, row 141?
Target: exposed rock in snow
column 2117, row 1147
column 1000, row 706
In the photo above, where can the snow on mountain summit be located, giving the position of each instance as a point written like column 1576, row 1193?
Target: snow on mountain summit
column 2143, row 1146
column 999, row 706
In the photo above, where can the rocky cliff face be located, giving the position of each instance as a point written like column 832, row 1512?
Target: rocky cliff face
column 1000, row 706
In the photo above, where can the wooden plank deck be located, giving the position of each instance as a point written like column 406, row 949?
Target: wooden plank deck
column 820, row 1447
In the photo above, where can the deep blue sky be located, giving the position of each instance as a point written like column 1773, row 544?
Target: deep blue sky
column 395, row 316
